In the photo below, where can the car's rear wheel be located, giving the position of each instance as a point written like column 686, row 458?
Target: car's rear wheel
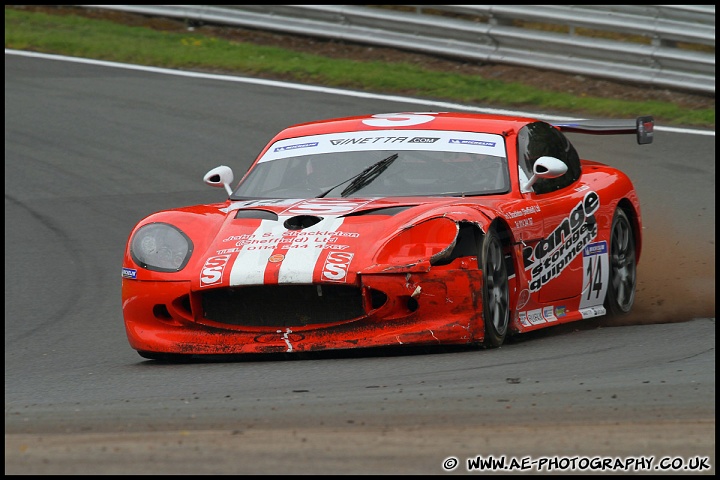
column 495, row 290
column 623, row 267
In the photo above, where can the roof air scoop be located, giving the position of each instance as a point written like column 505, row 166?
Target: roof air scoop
column 299, row 222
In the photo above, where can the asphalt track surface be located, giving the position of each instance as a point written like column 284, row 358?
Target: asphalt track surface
column 90, row 150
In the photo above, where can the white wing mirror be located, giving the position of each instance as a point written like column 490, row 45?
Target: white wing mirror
column 545, row 167
column 221, row 176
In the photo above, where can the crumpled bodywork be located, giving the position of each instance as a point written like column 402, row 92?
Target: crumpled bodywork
column 349, row 286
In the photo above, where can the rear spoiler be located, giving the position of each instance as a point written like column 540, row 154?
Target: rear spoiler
column 643, row 126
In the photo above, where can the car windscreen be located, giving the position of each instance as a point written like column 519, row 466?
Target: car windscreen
column 379, row 164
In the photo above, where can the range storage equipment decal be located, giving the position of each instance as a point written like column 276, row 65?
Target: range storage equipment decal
column 553, row 254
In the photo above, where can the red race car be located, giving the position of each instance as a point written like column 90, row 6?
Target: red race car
column 390, row 229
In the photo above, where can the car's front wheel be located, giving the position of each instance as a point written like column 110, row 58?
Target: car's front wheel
column 623, row 268
column 495, row 289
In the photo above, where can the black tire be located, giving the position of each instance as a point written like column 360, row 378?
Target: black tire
column 495, row 289
column 623, row 266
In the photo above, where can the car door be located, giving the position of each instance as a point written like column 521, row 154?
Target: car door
column 554, row 262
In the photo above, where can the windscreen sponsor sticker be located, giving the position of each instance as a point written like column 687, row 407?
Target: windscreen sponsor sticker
column 460, row 141
column 294, row 147
column 389, row 140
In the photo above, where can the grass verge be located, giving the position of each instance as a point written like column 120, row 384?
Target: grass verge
column 79, row 36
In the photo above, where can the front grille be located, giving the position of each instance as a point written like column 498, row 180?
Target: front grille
column 282, row 305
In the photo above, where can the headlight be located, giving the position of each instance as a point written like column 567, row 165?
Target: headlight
column 160, row 247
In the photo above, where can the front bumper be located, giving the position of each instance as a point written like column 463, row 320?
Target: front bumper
column 441, row 306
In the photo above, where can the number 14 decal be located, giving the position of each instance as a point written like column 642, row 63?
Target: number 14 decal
column 595, row 274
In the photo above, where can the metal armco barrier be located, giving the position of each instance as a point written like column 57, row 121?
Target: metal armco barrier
column 667, row 46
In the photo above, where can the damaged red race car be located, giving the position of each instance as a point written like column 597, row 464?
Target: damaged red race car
column 390, row 229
